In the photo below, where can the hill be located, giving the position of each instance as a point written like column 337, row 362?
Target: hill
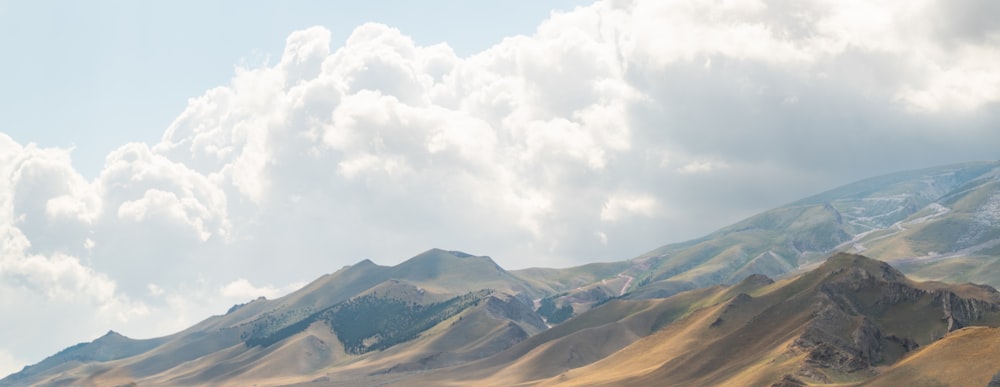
column 940, row 223
column 435, row 309
column 851, row 320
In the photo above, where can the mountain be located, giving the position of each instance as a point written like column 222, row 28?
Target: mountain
column 850, row 320
column 940, row 223
column 950, row 211
column 435, row 309
column 708, row 308
column 109, row 347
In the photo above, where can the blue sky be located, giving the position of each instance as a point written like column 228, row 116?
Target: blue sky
column 97, row 74
column 160, row 162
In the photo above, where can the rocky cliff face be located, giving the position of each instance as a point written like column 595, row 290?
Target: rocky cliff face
column 959, row 312
column 866, row 314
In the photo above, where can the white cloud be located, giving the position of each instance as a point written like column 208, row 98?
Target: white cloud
column 242, row 289
column 166, row 205
column 155, row 290
column 966, row 85
column 10, row 364
column 702, row 167
column 620, row 206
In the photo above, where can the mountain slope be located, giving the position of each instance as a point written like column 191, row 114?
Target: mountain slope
column 850, row 320
column 438, row 308
column 947, row 361
column 939, row 223
column 839, row 323
column 464, row 318
column 780, row 240
column 111, row 346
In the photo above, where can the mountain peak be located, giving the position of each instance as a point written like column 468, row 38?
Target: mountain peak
column 112, row 333
column 860, row 265
column 441, row 270
column 110, row 337
column 438, row 256
column 439, row 252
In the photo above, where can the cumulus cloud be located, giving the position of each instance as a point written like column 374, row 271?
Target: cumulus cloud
column 9, row 364
column 619, row 206
column 53, row 300
column 242, row 289
column 612, row 129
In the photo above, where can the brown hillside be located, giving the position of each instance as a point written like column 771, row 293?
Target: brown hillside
column 840, row 323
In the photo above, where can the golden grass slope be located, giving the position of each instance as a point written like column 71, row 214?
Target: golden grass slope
column 851, row 320
column 840, row 324
column 967, row 357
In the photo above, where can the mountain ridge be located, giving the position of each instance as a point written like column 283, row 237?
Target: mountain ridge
column 464, row 317
column 851, row 319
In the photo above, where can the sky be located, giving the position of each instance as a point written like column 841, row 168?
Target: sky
column 160, row 162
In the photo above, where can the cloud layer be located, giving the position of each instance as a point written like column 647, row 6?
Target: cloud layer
column 611, row 130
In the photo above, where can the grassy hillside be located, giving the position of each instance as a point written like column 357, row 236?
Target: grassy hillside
column 840, row 323
column 939, row 223
column 947, row 361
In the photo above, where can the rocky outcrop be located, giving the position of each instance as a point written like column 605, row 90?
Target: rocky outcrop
column 826, row 348
column 958, row 311
column 850, row 330
column 893, row 293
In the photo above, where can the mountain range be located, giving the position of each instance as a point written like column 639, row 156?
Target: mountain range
column 869, row 283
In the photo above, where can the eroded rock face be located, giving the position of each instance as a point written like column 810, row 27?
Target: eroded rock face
column 840, row 336
column 958, row 311
column 854, row 326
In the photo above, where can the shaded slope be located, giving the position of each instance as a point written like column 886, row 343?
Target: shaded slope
column 939, row 223
column 958, row 239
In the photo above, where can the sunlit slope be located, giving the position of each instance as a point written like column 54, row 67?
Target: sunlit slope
column 582, row 340
column 840, row 323
column 966, row 357
column 850, row 320
column 436, row 309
